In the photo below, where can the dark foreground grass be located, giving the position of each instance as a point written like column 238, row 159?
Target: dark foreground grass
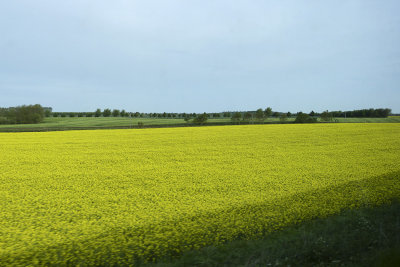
column 363, row 237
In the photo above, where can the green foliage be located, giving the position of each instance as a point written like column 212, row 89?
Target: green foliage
column 326, row 116
column 22, row 114
column 107, row 112
column 201, row 119
column 236, row 117
column 247, row 116
column 97, row 113
column 283, row 117
column 259, row 114
column 304, row 118
column 226, row 114
column 187, row 118
column 364, row 113
column 115, row 112
column 268, row 112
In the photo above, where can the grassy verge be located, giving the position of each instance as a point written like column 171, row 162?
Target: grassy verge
column 362, row 237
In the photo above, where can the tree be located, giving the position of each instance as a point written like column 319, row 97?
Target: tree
column 187, row 118
column 259, row 114
column 201, row 119
column 283, row 117
column 236, row 117
column 23, row 114
column 289, row 114
column 247, row 116
column 226, row 114
column 123, row 113
column 312, row 113
column 97, row 113
column 107, row 112
column 47, row 111
column 268, row 112
column 304, row 118
column 115, row 113
column 326, row 116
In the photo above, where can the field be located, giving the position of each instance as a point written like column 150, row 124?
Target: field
column 67, row 123
column 122, row 196
column 87, row 122
column 76, row 123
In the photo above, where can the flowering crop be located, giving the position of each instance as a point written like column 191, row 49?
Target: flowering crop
column 111, row 197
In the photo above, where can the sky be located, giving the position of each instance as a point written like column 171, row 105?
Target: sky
column 200, row 56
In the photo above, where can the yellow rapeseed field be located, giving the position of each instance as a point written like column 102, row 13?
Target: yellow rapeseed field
column 116, row 196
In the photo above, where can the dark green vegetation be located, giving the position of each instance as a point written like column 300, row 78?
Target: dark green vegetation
column 368, row 236
column 362, row 113
column 304, row 118
column 23, row 114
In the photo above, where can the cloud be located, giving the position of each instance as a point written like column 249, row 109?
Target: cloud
column 198, row 56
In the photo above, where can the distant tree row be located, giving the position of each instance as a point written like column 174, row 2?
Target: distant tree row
column 361, row 113
column 259, row 115
column 364, row 113
column 36, row 113
column 22, row 114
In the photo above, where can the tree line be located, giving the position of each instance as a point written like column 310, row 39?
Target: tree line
column 360, row 113
column 36, row 113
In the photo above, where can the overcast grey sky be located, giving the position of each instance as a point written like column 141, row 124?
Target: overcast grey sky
column 195, row 56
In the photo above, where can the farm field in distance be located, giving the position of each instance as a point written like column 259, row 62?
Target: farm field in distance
column 76, row 123
column 121, row 196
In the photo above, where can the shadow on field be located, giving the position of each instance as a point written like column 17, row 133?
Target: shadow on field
column 355, row 236
column 360, row 237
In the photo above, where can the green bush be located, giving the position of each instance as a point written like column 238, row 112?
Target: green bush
column 201, row 119
column 304, row 118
